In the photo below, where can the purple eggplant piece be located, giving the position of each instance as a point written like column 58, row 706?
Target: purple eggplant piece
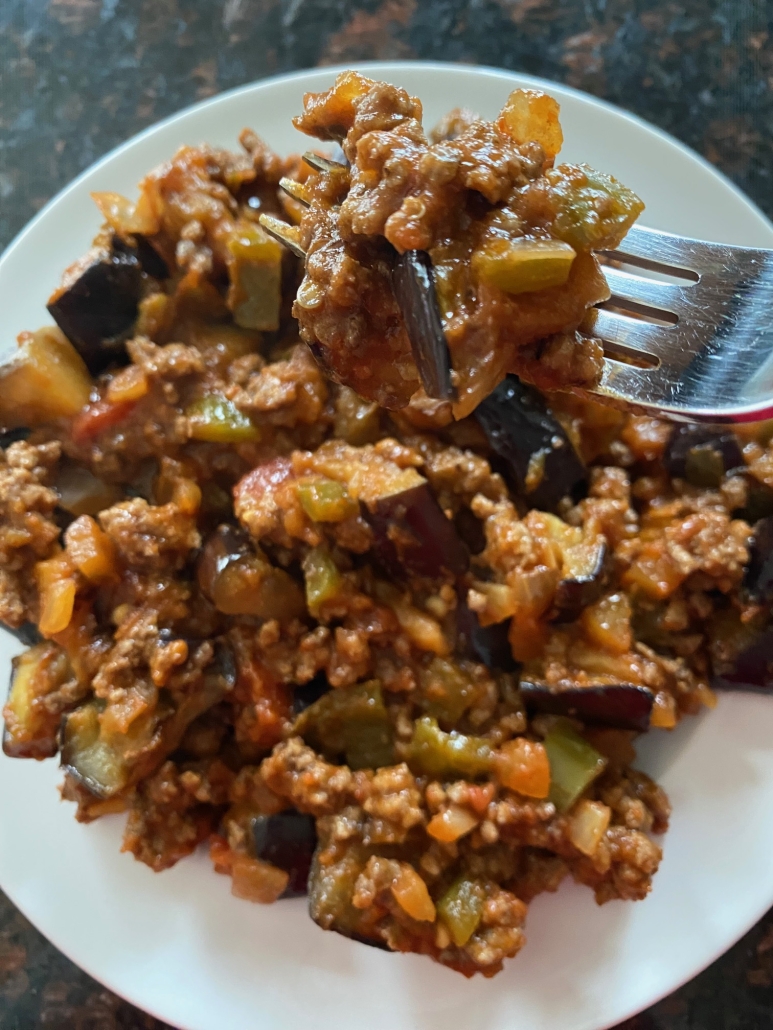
column 411, row 534
column 414, row 287
column 13, row 436
column 97, row 311
column 142, row 249
column 702, row 454
column 27, row 633
column 759, row 574
column 759, row 500
column 486, row 644
column 306, row 694
column 288, row 841
column 581, row 586
column 525, row 436
column 622, row 706
column 751, row 668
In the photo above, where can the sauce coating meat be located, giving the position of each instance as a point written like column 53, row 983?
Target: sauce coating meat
column 394, row 656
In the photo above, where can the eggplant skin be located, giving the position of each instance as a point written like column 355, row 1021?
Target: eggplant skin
column 531, row 445
column 27, row 633
column 622, row 706
column 413, row 536
column 702, row 454
column 487, row 644
column 97, row 311
column 576, row 592
column 759, row 574
column 751, row 668
column 288, row 841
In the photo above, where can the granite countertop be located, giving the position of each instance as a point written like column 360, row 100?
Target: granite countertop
column 80, row 76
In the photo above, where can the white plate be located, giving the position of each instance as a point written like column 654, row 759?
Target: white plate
column 178, row 944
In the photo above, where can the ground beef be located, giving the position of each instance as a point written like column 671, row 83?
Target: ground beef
column 28, row 531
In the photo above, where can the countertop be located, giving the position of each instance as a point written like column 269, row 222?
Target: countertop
column 78, row 77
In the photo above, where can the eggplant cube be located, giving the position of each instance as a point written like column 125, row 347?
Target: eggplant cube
column 623, row 706
column 538, row 458
column 287, row 840
column 96, row 306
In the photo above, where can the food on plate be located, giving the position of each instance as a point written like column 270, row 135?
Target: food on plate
column 387, row 657
column 465, row 250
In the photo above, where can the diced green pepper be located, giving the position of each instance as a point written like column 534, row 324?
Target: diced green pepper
column 522, row 265
column 447, row 691
column 323, row 580
column 595, row 211
column 352, row 721
column 461, row 908
column 255, row 271
column 326, row 500
column 704, row 467
column 435, row 753
column 215, row 419
column 574, row 764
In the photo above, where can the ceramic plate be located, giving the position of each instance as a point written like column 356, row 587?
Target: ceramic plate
column 177, row 943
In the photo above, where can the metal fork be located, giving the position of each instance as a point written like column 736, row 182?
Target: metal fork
column 700, row 350
column 710, row 348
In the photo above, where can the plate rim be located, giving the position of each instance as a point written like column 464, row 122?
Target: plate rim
column 385, row 67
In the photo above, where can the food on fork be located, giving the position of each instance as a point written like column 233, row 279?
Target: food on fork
column 392, row 659
column 479, row 211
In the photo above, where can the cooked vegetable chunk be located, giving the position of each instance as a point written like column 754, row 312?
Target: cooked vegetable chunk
column 31, row 727
column 623, row 705
column 45, row 380
column 287, row 840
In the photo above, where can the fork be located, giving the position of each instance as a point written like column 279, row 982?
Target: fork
column 702, row 347
column 696, row 350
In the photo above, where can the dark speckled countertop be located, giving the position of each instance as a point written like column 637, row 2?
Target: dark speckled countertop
column 79, row 76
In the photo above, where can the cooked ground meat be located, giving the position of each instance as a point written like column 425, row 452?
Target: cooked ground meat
column 483, row 200
column 275, row 606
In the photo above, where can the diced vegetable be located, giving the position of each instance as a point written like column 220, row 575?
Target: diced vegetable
column 522, row 432
column 622, row 705
column 45, row 380
column 444, row 755
column 594, row 210
column 461, row 909
column 326, row 500
column 287, row 840
column 331, row 885
column 240, row 581
column 215, row 419
column 30, row 727
column 702, row 455
column 574, row 764
column 255, row 880
column 447, row 690
column 91, row 550
column 523, row 766
column 487, row 644
column 451, row 823
column 759, row 574
column 138, row 246
column 353, row 722
column 414, row 287
column 531, row 116
column 97, row 418
column 96, row 306
column 306, row 694
column 255, row 272
column 356, row 420
column 583, row 576
column 56, row 588
column 106, row 756
column 741, row 652
column 410, row 892
column 412, row 535
column 607, row 623
column 523, row 265
column 588, row 824
column 323, row 580
column 27, row 633
column 81, row 493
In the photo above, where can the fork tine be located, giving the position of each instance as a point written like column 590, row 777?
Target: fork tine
column 283, row 233
column 661, row 252
column 322, row 164
column 644, row 295
column 633, row 335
